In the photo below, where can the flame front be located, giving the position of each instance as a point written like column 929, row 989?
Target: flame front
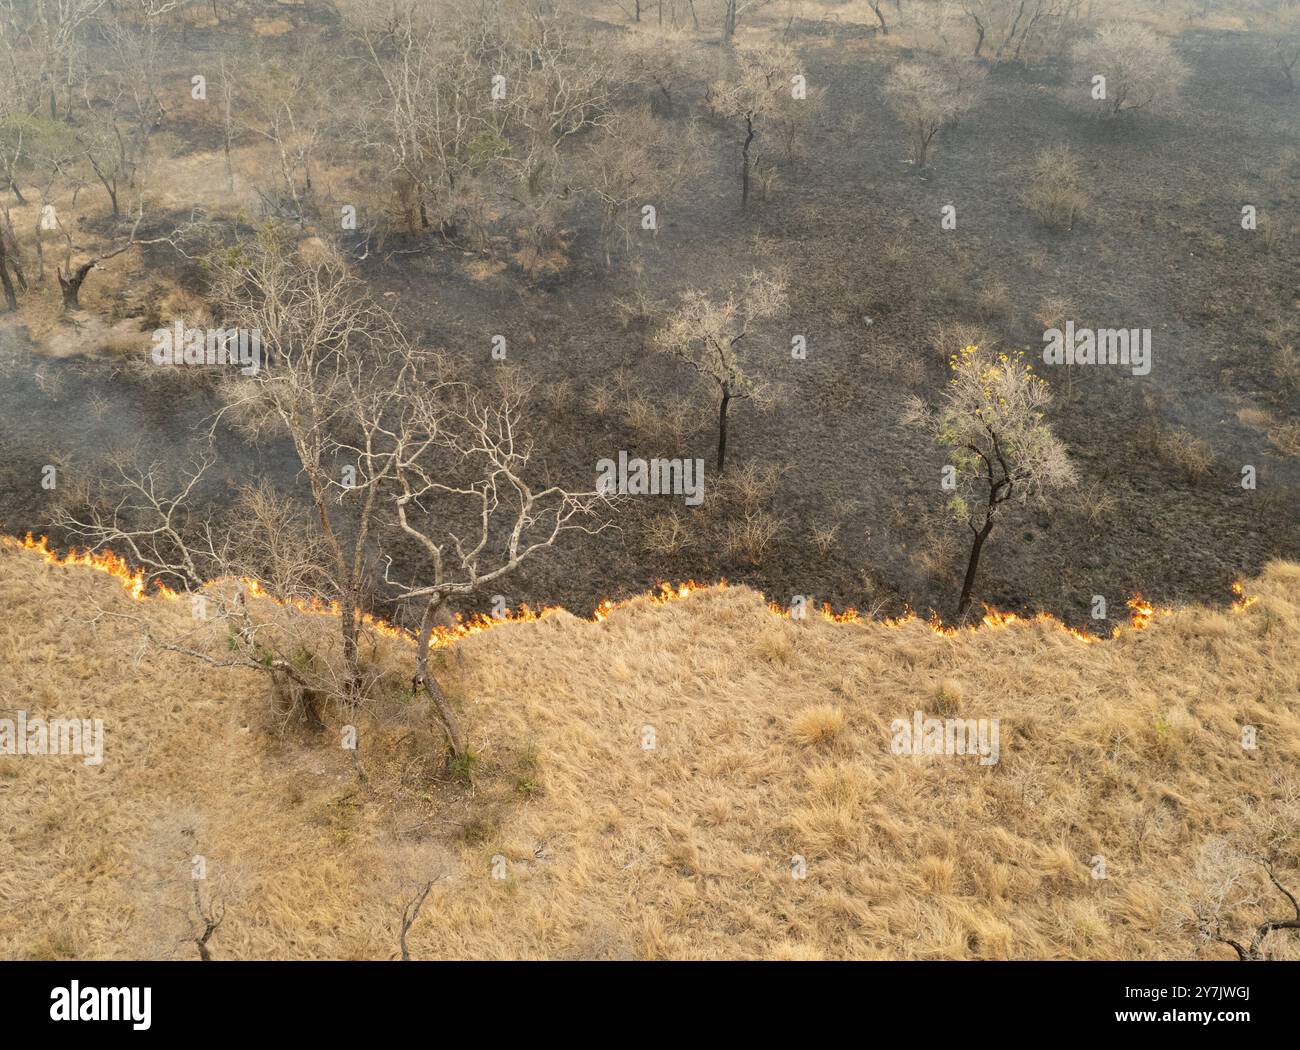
column 137, row 584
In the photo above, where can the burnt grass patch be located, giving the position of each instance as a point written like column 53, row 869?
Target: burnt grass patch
column 848, row 499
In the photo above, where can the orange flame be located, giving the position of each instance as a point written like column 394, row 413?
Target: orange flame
column 1143, row 612
column 1243, row 601
column 136, row 583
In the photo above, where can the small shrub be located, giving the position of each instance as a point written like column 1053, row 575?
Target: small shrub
column 637, row 311
column 479, row 830
column 1286, row 367
column 951, row 338
column 1055, row 193
column 817, row 724
column 752, row 486
column 641, row 416
column 1185, row 451
column 1054, row 311
column 560, row 396
column 993, row 301
column 947, row 698
column 1096, row 503
column 463, row 766
column 823, row 537
column 1286, row 438
column 602, row 400
column 512, row 383
column 774, row 646
column 665, row 536
column 751, row 540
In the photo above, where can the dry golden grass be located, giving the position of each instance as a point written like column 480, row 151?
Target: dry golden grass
column 771, row 740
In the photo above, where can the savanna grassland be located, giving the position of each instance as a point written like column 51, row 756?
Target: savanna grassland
column 772, row 740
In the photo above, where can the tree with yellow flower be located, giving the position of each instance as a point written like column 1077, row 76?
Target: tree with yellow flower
column 1003, row 450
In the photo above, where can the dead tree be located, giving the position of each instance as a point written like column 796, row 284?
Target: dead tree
column 71, row 278
column 462, row 495
column 336, row 368
column 1211, row 924
column 11, row 298
column 211, row 915
column 149, row 516
column 411, row 912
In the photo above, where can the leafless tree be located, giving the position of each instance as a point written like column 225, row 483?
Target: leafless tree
column 1227, row 881
column 758, row 88
column 477, row 109
column 928, row 94
column 287, row 104
column 121, row 108
column 211, row 915
column 464, row 499
column 10, row 260
column 560, row 90
column 335, row 364
column 411, row 912
column 52, row 32
column 733, row 11
column 1139, row 67
column 1279, row 22
column 637, row 162
column 662, row 62
column 150, row 514
column 49, row 153
column 1015, row 29
column 716, row 337
column 438, row 131
column 876, row 6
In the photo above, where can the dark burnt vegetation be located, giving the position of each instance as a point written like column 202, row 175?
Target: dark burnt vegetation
column 577, row 187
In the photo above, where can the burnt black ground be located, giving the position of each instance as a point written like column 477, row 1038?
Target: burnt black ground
column 857, row 229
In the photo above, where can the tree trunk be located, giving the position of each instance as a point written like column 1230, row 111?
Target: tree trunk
column 351, row 651
column 14, row 256
column 973, row 566
column 744, row 163
column 450, row 724
column 70, row 285
column 922, row 146
column 1011, row 35
column 722, row 430
column 10, row 297
column 40, row 253
column 729, row 22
